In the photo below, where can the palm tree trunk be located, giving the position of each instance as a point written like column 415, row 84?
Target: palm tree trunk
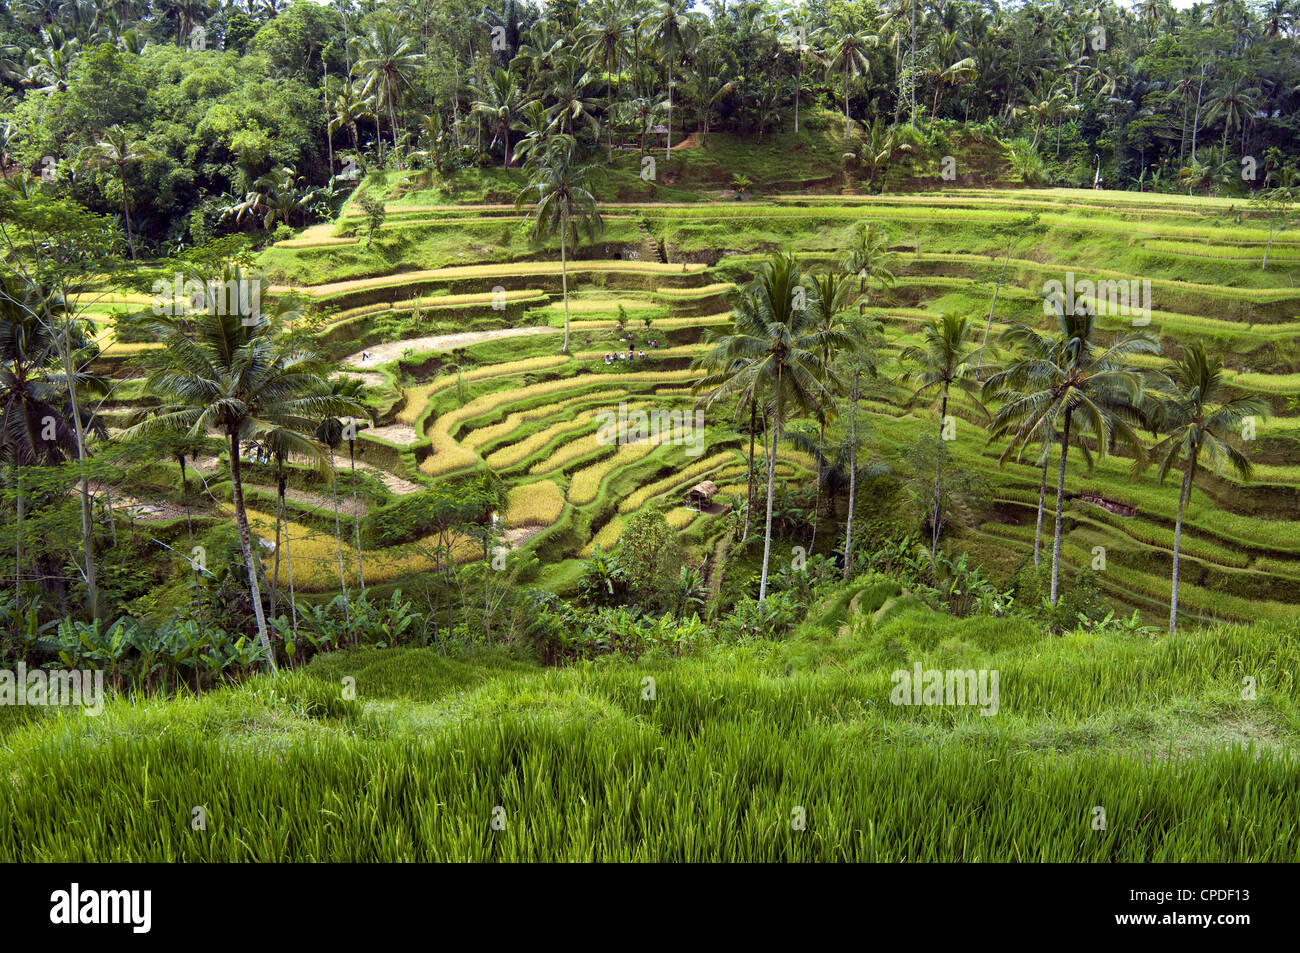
column 771, row 492
column 753, row 433
column 288, row 565
column 798, row 85
column 87, row 519
column 338, row 534
column 1060, row 494
column 938, row 474
column 245, row 544
column 564, row 283
column 356, row 513
column 126, row 214
column 853, row 474
column 669, row 147
column 279, row 521
column 1184, row 493
column 392, row 119
column 21, row 506
column 846, row 100
column 1042, row 493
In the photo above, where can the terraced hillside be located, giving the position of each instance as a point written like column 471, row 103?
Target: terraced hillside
column 461, row 358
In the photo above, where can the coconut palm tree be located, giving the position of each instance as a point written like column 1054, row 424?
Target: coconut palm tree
column 34, row 422
column 1198, row 431
column 217, row 371
column 330, row 433
column 333, row 432
column 671, row 24
column 116, row 150
column 831, row 296
column 947, row 358
column 778, row 350
column 561, row 203
column 388, row 61
column 499, row 101
column 847, row 53
column 1236, row 104
column 869, row 257
column 348, row 106
column 1069, row 376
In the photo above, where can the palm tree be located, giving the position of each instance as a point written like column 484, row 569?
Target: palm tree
column 832, row 295
column 1198, row 431
column 563, row 203
column 348, row 106
column 219, row 372
column 1057, row 379
column 848, row 52
column 117, row 150
column 858, row 361
column 31, row 395
column 605, row 44
column 721, row 366
column 947, row 358
column 672, row 28
column 869, row 257
column 388, row 61
column 778, row 351
column 499, row 101
column 330, row 433
column 1237, row 104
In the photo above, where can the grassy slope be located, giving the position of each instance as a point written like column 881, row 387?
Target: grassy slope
column 1155, row 732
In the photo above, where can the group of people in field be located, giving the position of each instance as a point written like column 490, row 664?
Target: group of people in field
column 630, row 354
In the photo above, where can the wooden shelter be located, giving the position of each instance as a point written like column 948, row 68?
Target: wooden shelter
column 701, row 494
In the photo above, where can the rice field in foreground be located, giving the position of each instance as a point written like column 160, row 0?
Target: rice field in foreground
column 738, row 742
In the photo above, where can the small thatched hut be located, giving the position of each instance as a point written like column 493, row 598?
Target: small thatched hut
column 701, row 494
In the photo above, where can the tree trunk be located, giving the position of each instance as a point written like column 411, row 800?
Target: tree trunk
column 1042, row 493
column 21, row 507
column 245, row 544
column 1196, row 117
column 338, row 536
column 771, row 492
column 279, row 521
column 853, row 474
column 846, row 101
column 753, row 432
column 1060, row 494
column 564, row 282
column 669, row 147
column 87, row 518
column 938, row 473
column 1183, row 495
column 356, row 513
column 126, row 214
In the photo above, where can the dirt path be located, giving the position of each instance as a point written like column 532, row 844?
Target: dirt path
column 320, row 501
column 391, row 480
column 403, row 434
column 521, row 534
column 383, row 353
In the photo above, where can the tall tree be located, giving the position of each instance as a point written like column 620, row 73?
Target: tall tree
column 1198, row 431
column 947, row 358
column 116, row 151
column 562, row 203
column 221, row 372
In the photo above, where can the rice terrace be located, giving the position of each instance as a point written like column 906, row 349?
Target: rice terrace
column 637, row 430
